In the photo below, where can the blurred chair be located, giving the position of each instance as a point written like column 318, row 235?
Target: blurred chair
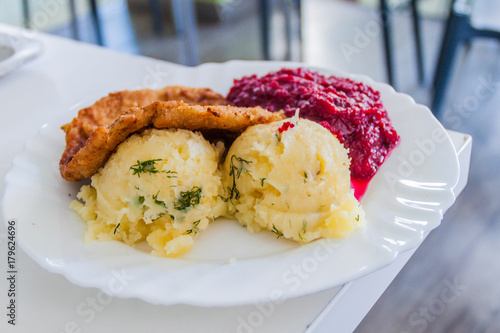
column 184, row 20
column 388, row 48
column 74, row 19
column 467, row 19
column 295, row 6
column 186, row 30
column 290, row 7
column 155, row 8
column 184, row 15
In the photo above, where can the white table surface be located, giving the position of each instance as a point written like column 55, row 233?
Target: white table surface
column 69, row 72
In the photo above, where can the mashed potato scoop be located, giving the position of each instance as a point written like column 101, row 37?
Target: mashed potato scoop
column 160, row 185
column 291, row 177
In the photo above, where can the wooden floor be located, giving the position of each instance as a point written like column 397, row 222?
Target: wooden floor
column 452, row 283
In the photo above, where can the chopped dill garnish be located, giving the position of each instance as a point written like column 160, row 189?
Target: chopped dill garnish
column 357, row 218
column 140, row 200
column 278, row 136
column 159, row 202
column 239, row 169
column 262, row 181
column 116, row 228
column 145, row 166
column 149, row 167
column 305, row 177
column 188, row 198
column 170, row 174
column 235, row 173
column 303, row 231
column 195, row 229
column 277, row 232
column 159, row 216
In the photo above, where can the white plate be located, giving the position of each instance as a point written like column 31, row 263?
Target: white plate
column 16, row 48
column 228, row 266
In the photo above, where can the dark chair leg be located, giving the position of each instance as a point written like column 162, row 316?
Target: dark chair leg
column 294, row 30
column 298, row 8
column 187, row 33
column 26, row 14
column 155, row 7
column 96, row 22
column 457, row 30
column 74, row 19
column 289, row 13
column 386, row 25
column 265, row 22
column 418, row 42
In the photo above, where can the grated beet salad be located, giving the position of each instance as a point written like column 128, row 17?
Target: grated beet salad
column 351, row 110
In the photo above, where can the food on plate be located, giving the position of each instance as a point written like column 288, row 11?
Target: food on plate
column 160, row 185
column 155, row 159
column 351, row 110
column 84, row 159
column 291, row 177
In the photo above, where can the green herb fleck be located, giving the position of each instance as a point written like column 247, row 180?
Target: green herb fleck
column 116, row 228
column 150, row 167
column 170, row 174
column 159, row 202
column 277, row 232
column 303, row 231
column 357, row 218
column 262, row 181
column 146, row 166
column 188, row 198
column 140, row 200
column 235, row 172
column 159, row 216
column 278, row 136
column 195, row 229
column 305, row 177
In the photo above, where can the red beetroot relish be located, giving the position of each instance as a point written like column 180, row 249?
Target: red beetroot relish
column 285, row 127
column 351, row 110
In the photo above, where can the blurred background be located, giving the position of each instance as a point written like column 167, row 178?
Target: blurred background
column 444, row 55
